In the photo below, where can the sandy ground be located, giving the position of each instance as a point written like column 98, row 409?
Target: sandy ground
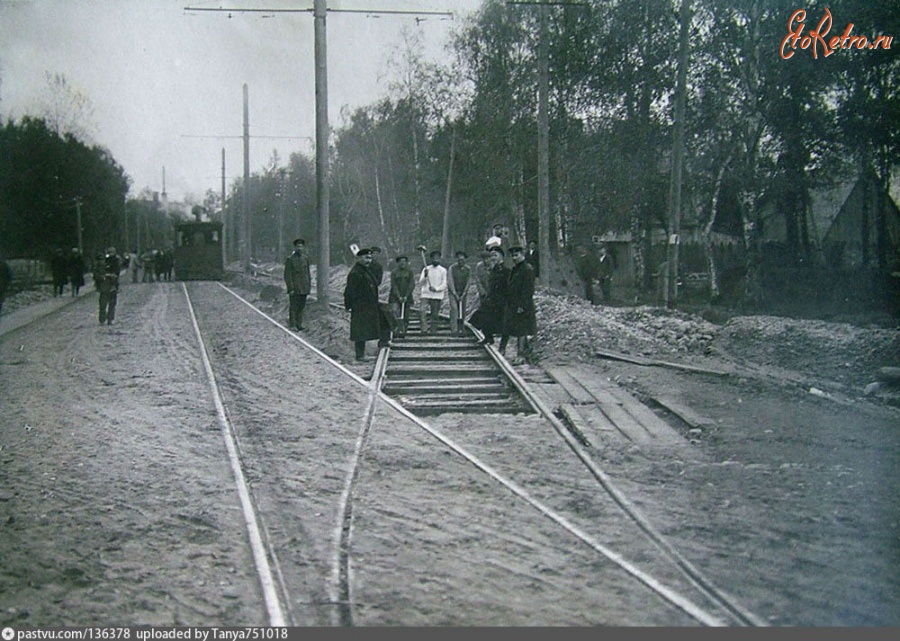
column 117, row 504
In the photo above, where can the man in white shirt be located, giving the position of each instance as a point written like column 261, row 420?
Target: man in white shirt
column 434, row 284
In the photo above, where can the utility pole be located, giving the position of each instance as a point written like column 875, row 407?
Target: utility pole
column 543, row 122
column 78, row 223
column 544, row 150
column 322, row 182
column 674, row 240
column 320, row 9
column 246, row 247
column 225, row 226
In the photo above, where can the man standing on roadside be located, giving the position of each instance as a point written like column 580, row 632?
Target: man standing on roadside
column 298, row 281
column 605, row 268
column 434, row 283
column 106, row 280
column 587, row 266
column 367, row 322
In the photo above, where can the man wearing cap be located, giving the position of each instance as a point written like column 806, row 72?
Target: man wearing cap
column 519, row 315
column 534, row 258
column 367, row 322
column 457, row 286
column 106, row 280
column 298, row 281
column 496, row 237
column 376, row 266
column 434, row 283
column 401, row 294
column 489, row 315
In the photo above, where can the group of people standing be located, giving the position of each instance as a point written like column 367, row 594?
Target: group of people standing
column 505, row 297
column 154, row 265
column 67, row 268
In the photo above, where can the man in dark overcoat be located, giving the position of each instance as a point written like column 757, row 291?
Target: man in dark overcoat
column 367, row 321
column 298, row 282
column 519, row 315
column 489, row 315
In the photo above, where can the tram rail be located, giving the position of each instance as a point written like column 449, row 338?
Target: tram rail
column 721, row 609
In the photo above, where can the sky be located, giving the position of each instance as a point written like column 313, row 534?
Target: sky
column 166, row 83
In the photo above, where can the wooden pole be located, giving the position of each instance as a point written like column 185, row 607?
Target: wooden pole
column 671, row 290
column 544, row 152
column 245, row 236
column 322, row 186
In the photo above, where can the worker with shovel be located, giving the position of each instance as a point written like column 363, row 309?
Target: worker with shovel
column 457, row 285
column 401, row 294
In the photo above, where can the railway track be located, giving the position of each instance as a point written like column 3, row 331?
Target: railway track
column 360, row 511
column 401, row 370
column 436, row 373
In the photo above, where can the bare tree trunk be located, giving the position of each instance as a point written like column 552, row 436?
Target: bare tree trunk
column 445, row 232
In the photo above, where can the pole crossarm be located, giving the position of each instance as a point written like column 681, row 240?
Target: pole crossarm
column 241, row 137
column 398, row 12
column 247, row 10
column 547, row 3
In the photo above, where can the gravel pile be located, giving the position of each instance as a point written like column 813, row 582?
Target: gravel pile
column 571, row 330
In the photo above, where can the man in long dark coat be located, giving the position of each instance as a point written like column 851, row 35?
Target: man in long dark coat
column 519, row 315
column 367, row 321
column 489, row 315
column 59, row 271
column 298, row 282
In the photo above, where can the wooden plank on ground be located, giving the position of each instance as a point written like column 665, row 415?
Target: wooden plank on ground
column 684, row 412
column 591, row 423
column 578, row 393
column 583, row 390
column 654, row 426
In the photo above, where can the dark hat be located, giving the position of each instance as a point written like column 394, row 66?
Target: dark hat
column 517, row 250
column 434, row 253
column 374, row 248
column 498, row 249
column 365, row 251
column 299, row 241
column 461, row 253
column 399, row 258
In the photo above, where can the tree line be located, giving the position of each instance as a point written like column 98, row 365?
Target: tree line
column 770, row 118
column 452, row 148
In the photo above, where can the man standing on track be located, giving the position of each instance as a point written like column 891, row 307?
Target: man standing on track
column 519, row 316
column 401, row 295
column 434, row 283
column 489, row 315
column 298, row 281
column 457, row 285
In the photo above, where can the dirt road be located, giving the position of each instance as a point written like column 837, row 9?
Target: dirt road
column 117, row 505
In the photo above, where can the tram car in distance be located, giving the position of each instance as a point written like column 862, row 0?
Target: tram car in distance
column 198, row 251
